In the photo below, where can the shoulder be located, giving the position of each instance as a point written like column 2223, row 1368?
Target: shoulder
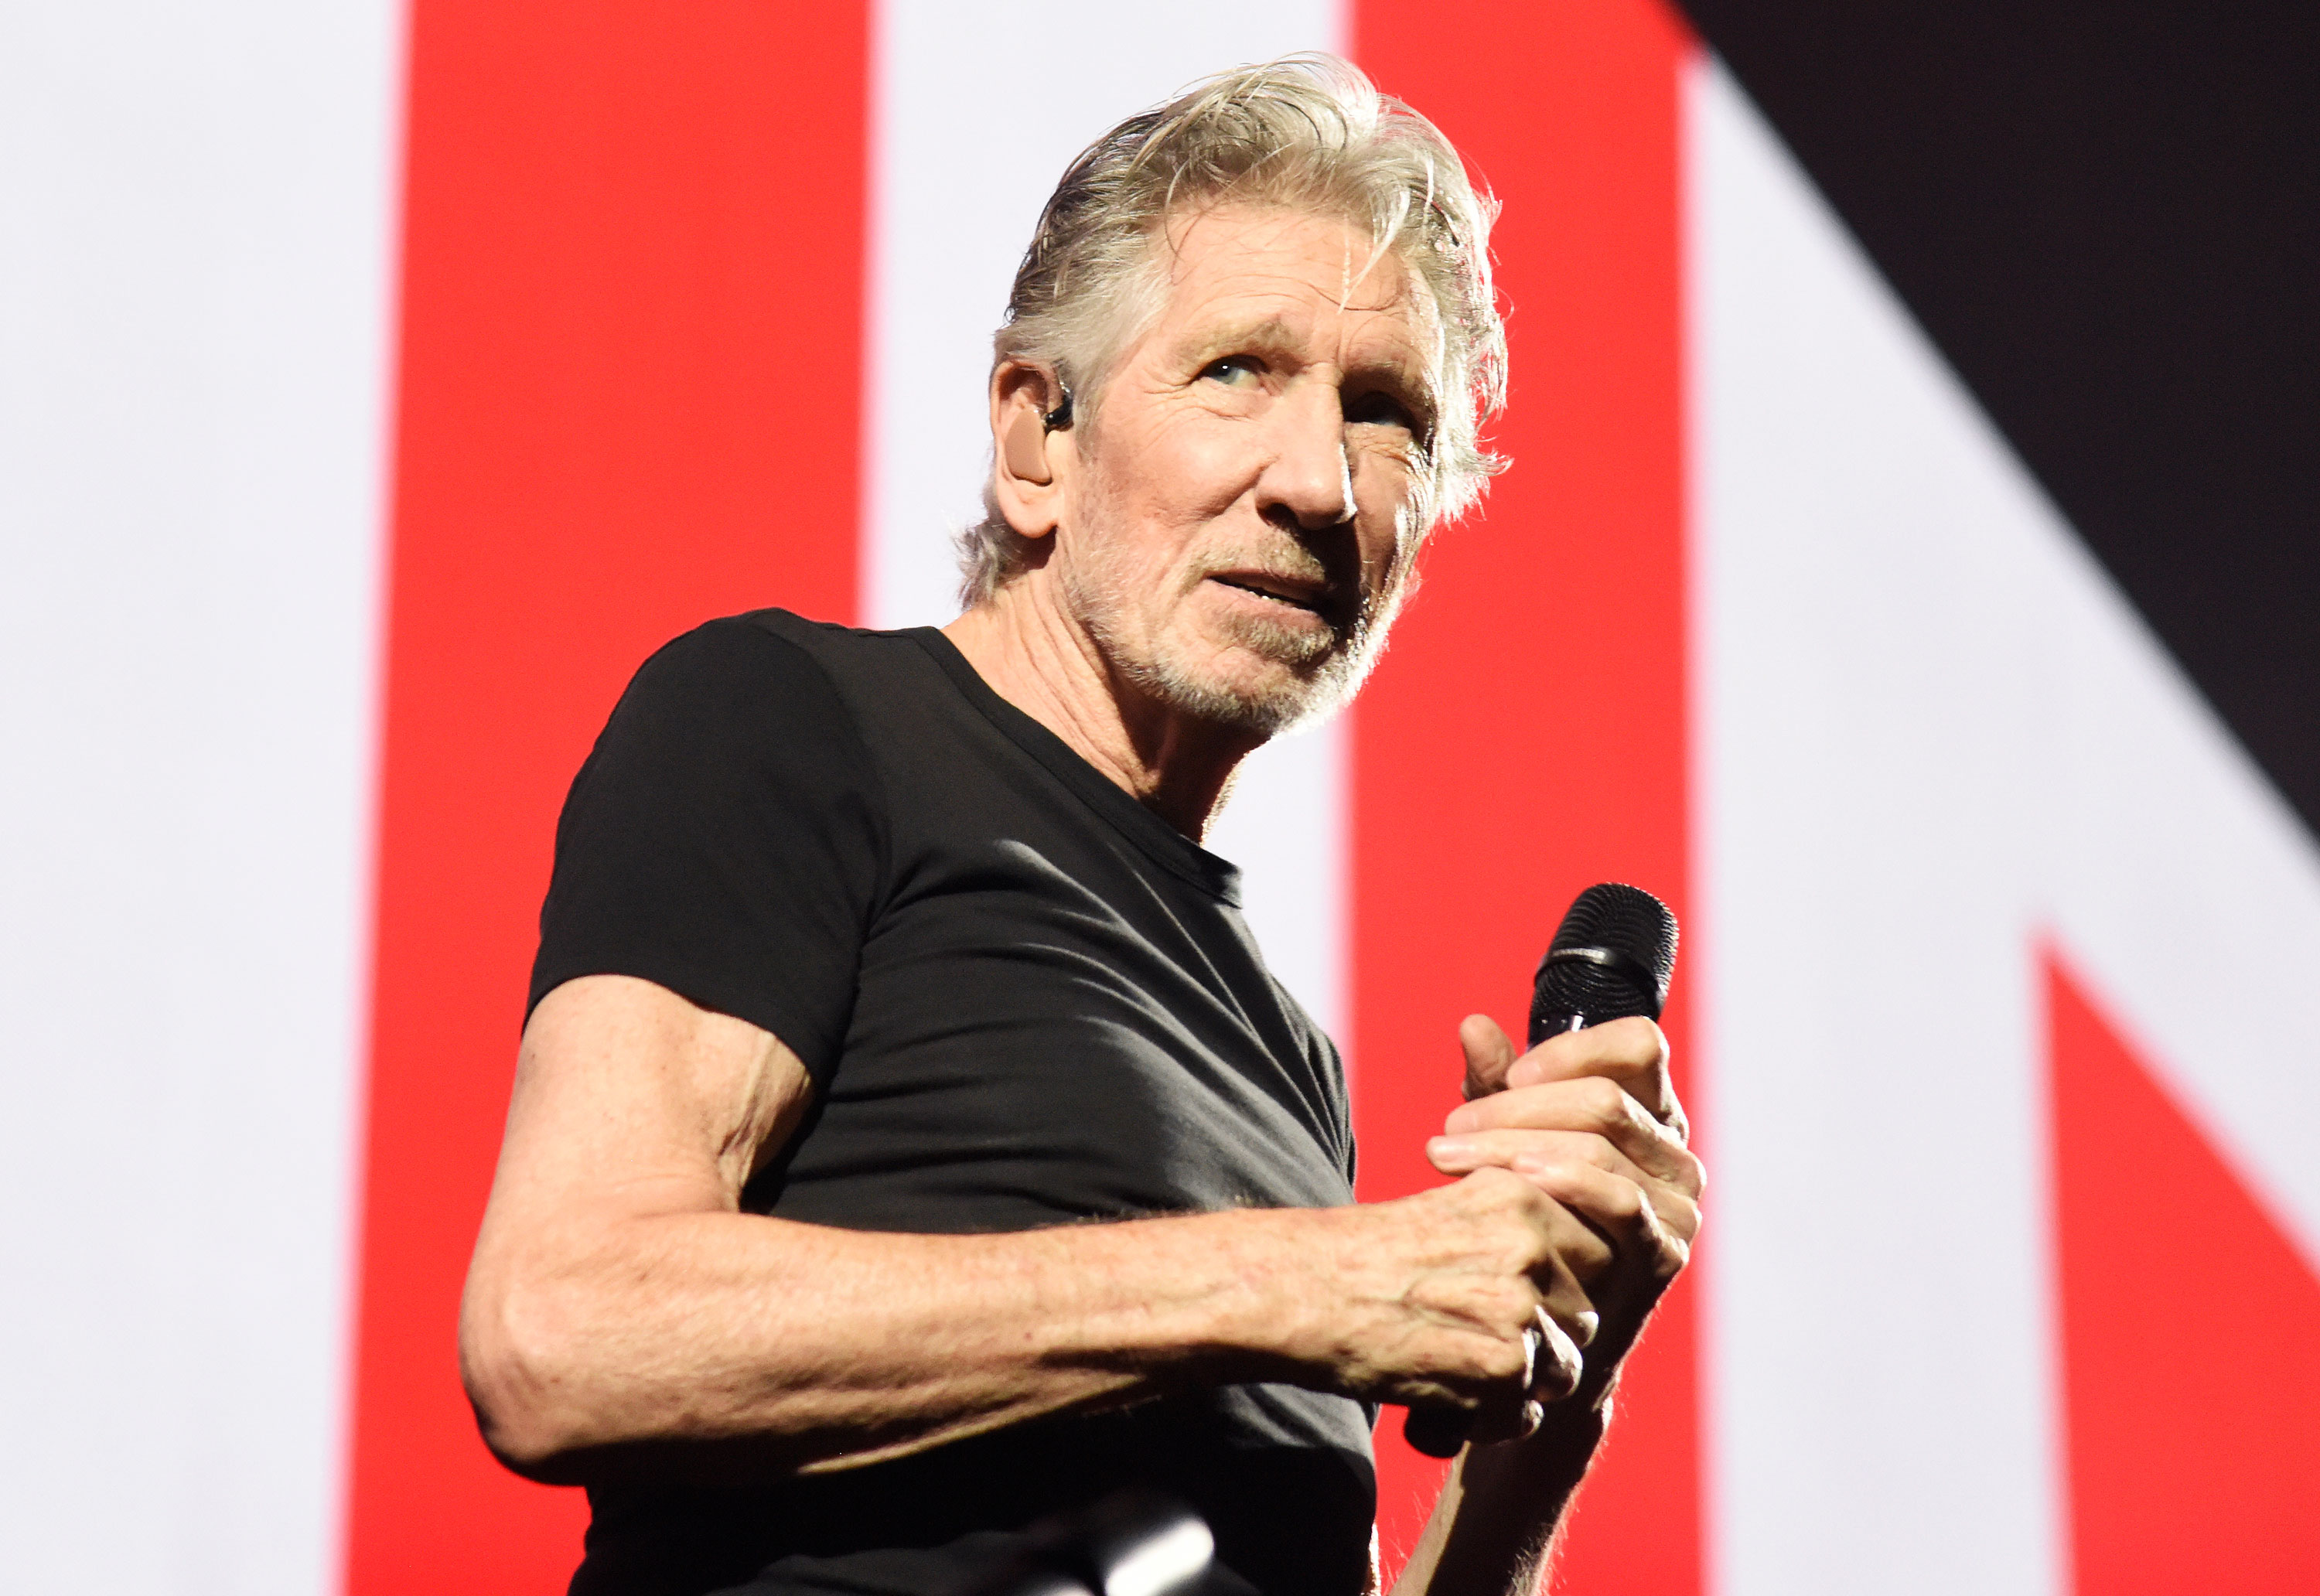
column 765, row 671
column 761, row 649
column 726, row 839
column 748, row 700
column 777, row 651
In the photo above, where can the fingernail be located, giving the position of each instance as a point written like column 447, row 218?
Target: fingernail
column 1448, row 1146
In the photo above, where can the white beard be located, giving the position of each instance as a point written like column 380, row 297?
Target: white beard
column 1324, row 668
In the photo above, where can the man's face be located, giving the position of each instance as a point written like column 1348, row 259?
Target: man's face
column 1244, row 523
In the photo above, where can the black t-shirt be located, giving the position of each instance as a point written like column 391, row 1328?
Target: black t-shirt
column 1025, row 1000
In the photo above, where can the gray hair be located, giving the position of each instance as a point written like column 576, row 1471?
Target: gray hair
column 1308, row 131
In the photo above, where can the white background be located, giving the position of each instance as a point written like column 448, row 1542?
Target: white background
column 195, row 247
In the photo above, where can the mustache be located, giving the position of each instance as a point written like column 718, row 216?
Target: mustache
column 1339, row 592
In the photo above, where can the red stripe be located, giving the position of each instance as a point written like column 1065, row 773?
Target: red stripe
column 631, row 326
column 1525, row 736
column 2189, row 1326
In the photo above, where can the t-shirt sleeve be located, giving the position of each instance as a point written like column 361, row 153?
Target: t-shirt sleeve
column 725, row 840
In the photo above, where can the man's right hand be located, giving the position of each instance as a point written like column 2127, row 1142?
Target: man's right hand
column 1471, row 1295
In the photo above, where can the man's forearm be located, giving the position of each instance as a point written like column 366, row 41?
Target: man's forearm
column 620, row 1304
column 1493, row 1528
column 753, row 1344
column 823, row 1347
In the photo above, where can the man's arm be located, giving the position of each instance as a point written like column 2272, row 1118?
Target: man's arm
column 1591, row 1119
column 623, row 1311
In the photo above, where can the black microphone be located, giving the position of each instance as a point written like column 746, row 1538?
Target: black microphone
column 1612, row 957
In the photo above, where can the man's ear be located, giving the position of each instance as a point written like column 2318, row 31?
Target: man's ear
column 1029, row 408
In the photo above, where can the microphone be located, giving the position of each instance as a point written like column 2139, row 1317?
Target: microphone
column 1613, row 956
column 1135, row 1542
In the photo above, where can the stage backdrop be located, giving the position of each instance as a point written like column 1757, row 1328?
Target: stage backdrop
column 379, row 385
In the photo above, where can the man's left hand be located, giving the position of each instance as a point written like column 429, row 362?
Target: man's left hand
column 1590, row 1118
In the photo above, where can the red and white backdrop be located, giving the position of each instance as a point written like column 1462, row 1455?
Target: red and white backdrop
column 381, row 385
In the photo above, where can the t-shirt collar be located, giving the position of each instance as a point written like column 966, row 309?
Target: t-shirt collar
column 1166, row 845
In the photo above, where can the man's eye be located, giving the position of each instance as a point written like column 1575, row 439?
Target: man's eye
column 1235, row 371
column 1380, row 410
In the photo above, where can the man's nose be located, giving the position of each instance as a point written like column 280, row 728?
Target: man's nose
column 1309, row 476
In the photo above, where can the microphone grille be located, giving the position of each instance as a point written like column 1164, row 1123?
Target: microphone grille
column 1613, row 956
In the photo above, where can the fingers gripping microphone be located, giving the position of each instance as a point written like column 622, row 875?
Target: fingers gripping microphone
column 1612, row 957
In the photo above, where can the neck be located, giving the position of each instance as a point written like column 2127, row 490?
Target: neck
column 1034, row 654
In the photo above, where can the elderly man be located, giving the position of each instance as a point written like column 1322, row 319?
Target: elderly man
column 876, row 964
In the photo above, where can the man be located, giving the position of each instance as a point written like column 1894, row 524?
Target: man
column 875, row 964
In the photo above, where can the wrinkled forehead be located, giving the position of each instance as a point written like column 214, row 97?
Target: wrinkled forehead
column 1319, row 256
column 1297, row 272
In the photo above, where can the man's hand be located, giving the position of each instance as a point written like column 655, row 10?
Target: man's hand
column 1589, row 1118
column 1471, row 1296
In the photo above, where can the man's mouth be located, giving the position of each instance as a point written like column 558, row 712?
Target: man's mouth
column 1307, row 596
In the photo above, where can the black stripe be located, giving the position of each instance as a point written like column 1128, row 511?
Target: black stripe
column 2107, row 214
